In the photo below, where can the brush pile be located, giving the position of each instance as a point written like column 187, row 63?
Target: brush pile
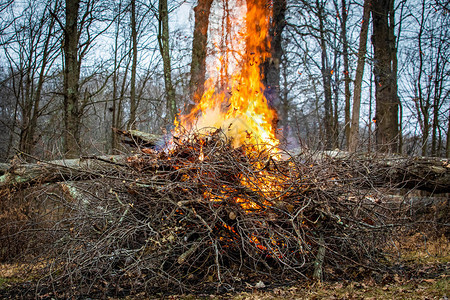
column 205, row 215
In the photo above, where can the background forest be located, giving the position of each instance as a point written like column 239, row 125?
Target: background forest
column 358, row 75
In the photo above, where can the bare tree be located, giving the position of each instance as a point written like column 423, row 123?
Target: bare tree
column 326, row 76
column 447, row 147
column 387, row 101
column 33, row 110
column 199, row 44
column 133, row 106
column 30, row 51
column 71, row 80
column 354, row 128
column 5, row 22
column 427, row 66
column 164, row 48
column 314, row 43
column 271, row 66
column 343, row 16
column 116, row 107
column 79, row 34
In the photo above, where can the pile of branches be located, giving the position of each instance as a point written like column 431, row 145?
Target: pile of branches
column 205, row 215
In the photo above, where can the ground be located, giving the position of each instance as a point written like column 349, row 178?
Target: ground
column 422, row 272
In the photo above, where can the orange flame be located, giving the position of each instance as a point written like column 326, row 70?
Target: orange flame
column 242, row 112
column 240, row 109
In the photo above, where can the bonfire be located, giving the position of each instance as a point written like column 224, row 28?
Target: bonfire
column 220, row 204
column 219, row 207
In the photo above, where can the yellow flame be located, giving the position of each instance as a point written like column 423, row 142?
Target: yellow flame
column 241, row 110
column 234, row 101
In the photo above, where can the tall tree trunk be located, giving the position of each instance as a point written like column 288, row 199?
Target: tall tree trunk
column 115, row 79
column 164, row 47
column 71, row 81
column 354, row 128
column 326, row 79
column 372, row 119
column 225, row 45
column 199, row 43
column 395, row 67
column 394, row 82
column 123, row 89
column 335, row 86
column 447, row 148
column 271, row 66
column 436, row 100
column 346, row 71
column 435, row 124
column 114, row 97
column 422, row 103
column 26, row 103
column 284, row 109
column 386, row 114
column 132, row 120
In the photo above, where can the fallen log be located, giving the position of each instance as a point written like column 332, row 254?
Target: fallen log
column 422, row 173
column 138, row 138
column 431, row 174
column 15, row 173
column 60, row 170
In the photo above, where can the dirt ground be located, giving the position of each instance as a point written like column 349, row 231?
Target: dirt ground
column 422, row 271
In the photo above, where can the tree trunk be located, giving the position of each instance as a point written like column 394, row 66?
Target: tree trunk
column 26, row 103
column 199, row 43
column 447, row 148
column 326, row 79
column 395, row 43
column 132, row 120
column 123, row 90
column 164, row 47
column 386, row 115
column 438, row 80
column 434, row 148
column 335, row 87
column 59, row 170
column 354, row 128
column 285, row 107
column 346, row 71
column 271, row 66
column 115, row 107
column 71, row 81
column 422, row 104
column 225, row 46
